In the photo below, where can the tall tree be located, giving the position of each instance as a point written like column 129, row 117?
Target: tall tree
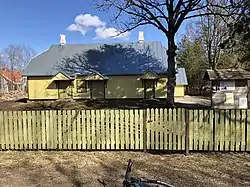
column 17, row 57
column 191, row 56
column 238, row 39
column 165, row 15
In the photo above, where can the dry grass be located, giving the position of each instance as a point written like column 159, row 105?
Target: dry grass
column 85, row 168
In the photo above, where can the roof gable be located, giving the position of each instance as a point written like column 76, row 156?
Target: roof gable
column 95, row 76
column 149, row 75
column 60, row 76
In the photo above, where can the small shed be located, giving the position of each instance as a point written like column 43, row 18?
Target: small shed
column 229, row 88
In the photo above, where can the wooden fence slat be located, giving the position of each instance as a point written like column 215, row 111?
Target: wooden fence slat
column 6, row 130
column 34, row 129
column 51, row 130
column 232, row 124
column 74, row 119
column 201, row 130
column 93, row 128
column 122, row 128
column 217, row 135
column 2, row 132
column 28, row 128
column 84, row 129
column 243, row 130
column 55, row 129
column 227, row 130
column 59, row 113
column 79, row 129
column 127, row 129
column 178, row 129
column 170, row 127
column 39, row 130
column 131, row 129
column 205, row 129
column 16, row 132
column 191, row 129
column 98, row 129
column 210, row 132
column 11, row 135
column 152, row 128
column 156, row 128
column 183, row 126
column 65, row 130
column 174, row 128
column 44, row 126
column 248, row 130
column 103, row 138
column 238, row 130
column 161, row 129
column 88, row 129
column 117, row 128
column 137, row 140
column 148, row 128
column 221, row 130
column 20, row 130
column 196, row 129
column 112, row 132
column 141, row 129
column 107, row 129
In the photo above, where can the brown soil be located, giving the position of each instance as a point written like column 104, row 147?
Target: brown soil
column 86, row 168
column 90, row 104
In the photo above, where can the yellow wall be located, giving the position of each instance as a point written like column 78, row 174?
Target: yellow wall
column 42, row 88
column 117, row 87
column 179, row 91
column 124, row 87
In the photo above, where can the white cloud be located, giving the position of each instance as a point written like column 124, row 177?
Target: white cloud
column 85, row 22
column 110, row 33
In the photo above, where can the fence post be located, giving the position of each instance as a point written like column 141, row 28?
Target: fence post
column 144, row 130
column 186, row 132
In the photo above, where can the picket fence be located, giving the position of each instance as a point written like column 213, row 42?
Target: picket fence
column 133, row 129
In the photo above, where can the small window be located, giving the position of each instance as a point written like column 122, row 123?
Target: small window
column 81, row 86
column 227, row 85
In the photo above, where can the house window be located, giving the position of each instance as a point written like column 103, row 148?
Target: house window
column 81, row 86
column 227, row 85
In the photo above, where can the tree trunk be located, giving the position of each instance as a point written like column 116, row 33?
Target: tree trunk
column 171, row 52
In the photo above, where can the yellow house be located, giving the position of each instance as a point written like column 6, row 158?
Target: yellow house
column 101, row 71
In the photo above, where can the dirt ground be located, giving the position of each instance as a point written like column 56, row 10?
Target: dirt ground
column 22, row 104
column 86, row 168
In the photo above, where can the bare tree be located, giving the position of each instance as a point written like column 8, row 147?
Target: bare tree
column 167, row 16
column 213, row 32
column 17, row 57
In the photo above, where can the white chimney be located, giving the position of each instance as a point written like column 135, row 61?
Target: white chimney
column 141, row 37
column 62, row 39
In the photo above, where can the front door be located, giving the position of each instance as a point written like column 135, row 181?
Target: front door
column 98, row 89
column 149, row 89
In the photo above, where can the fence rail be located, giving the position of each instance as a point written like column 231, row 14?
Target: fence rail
column 134, row 129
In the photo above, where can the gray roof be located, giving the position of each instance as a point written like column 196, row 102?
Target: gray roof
column 227, row 74
column 181, row 77
column 106, row 59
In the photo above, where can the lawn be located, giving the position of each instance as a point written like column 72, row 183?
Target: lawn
column 86, row 168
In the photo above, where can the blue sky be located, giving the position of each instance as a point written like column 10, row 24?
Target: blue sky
column 39, row 23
